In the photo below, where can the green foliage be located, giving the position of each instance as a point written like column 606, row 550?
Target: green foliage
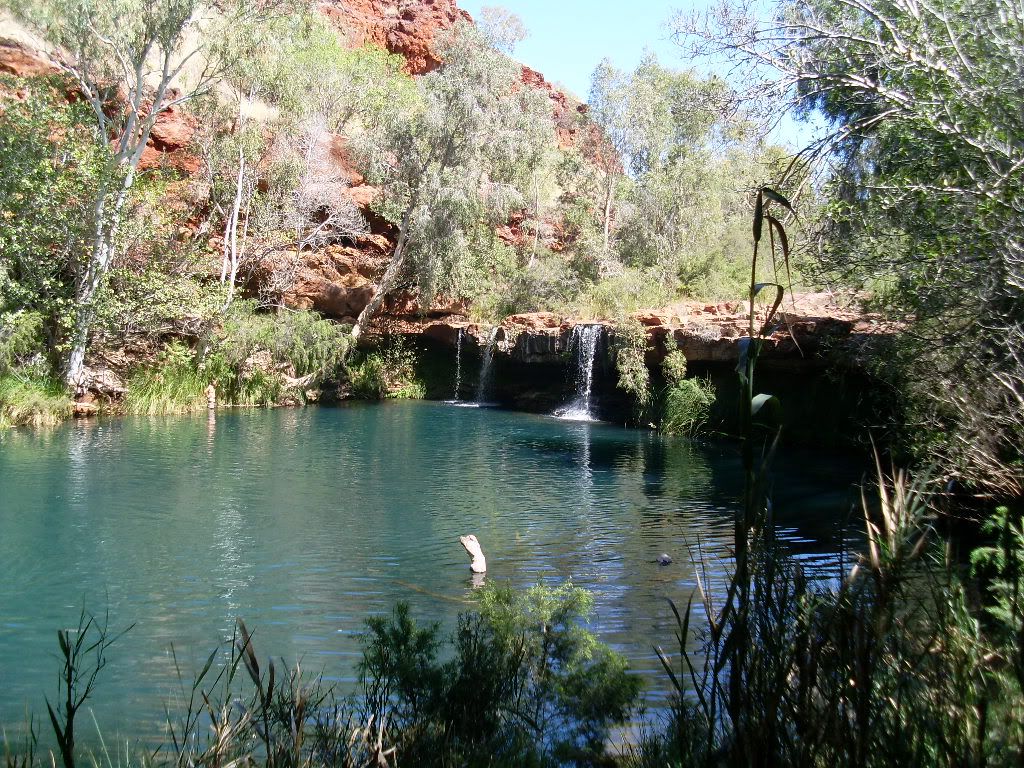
column 167, row 293
column 50, row 166
column 630, row 347
column 527, row 685
column 617, row 295
column 32, row 401
column 173, row 384
column 253, row 359
column 522, row 684
column 388, row 373
column 455, row 164
column 686, row 156
column 888, row 665
column 1003, row 564
column 307, row 72
column 924, row 175
column 686, row 402
column 20, row 337
column 311, row 345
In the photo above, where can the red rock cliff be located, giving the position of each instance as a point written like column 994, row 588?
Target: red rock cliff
column 404, row 27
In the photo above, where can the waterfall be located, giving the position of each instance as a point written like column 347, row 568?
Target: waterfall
column 583, row 344
column 486, row 365
column 458, row 365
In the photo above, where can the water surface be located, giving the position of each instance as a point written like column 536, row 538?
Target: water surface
column 306, row 521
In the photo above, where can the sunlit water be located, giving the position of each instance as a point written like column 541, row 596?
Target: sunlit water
column 305, row 522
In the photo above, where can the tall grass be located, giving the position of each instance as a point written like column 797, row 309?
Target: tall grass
column 893, row 664
column 34, row 402
column 172, row 385
column 520, row 683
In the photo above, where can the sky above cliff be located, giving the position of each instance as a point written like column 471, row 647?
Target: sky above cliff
column 567, row 38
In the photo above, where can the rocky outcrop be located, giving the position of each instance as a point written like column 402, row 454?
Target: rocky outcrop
column 564, row 109
column 408, row 28
column 170, row 142
column 706, row 333
column 20, row 60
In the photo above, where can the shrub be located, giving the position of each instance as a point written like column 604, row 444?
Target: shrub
column 390, row 373
column 630, row 346
column 527, row 684
column 311, row 345
column 20, row 338
column 687, row 402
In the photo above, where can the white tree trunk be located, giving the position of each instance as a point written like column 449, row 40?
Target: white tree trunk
column 608, row 196
column 229, row 270
column 90, row 283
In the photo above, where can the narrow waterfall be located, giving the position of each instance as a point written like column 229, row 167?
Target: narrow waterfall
column 458, row 364
column 583, row 345
column 485, row 367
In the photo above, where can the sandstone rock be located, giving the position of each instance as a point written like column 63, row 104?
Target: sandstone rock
column 343, row 297
column 84, row 409
column 405, row 304
column 445, row 332
column 654, row 319
column 21, row 61
column 535, row 321
column 408, row 28
column 170, row 142
column 102, row 381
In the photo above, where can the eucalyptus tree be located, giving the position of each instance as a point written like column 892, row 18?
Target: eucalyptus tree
column 132, row 61
column 691, row 157
column 453, row 166
column 924, row 152
column 680, row 158
column 609, row 110
column 272, row 178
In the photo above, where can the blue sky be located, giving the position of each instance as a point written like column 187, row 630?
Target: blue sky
column 569, row 37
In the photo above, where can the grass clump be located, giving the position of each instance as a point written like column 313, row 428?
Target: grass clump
column 686, row 402
column 173, row 384
column 36, row 401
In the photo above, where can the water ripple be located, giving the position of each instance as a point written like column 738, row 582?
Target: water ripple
column 305, row 522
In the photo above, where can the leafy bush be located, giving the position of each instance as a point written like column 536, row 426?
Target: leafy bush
column 630, row 346
column 527, row 684
column 20, row 337
column 311, row 345
column 173, row 384
column 388, row 373
column 686, row 402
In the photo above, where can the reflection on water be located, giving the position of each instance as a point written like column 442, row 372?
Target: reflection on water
column 307, row 521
